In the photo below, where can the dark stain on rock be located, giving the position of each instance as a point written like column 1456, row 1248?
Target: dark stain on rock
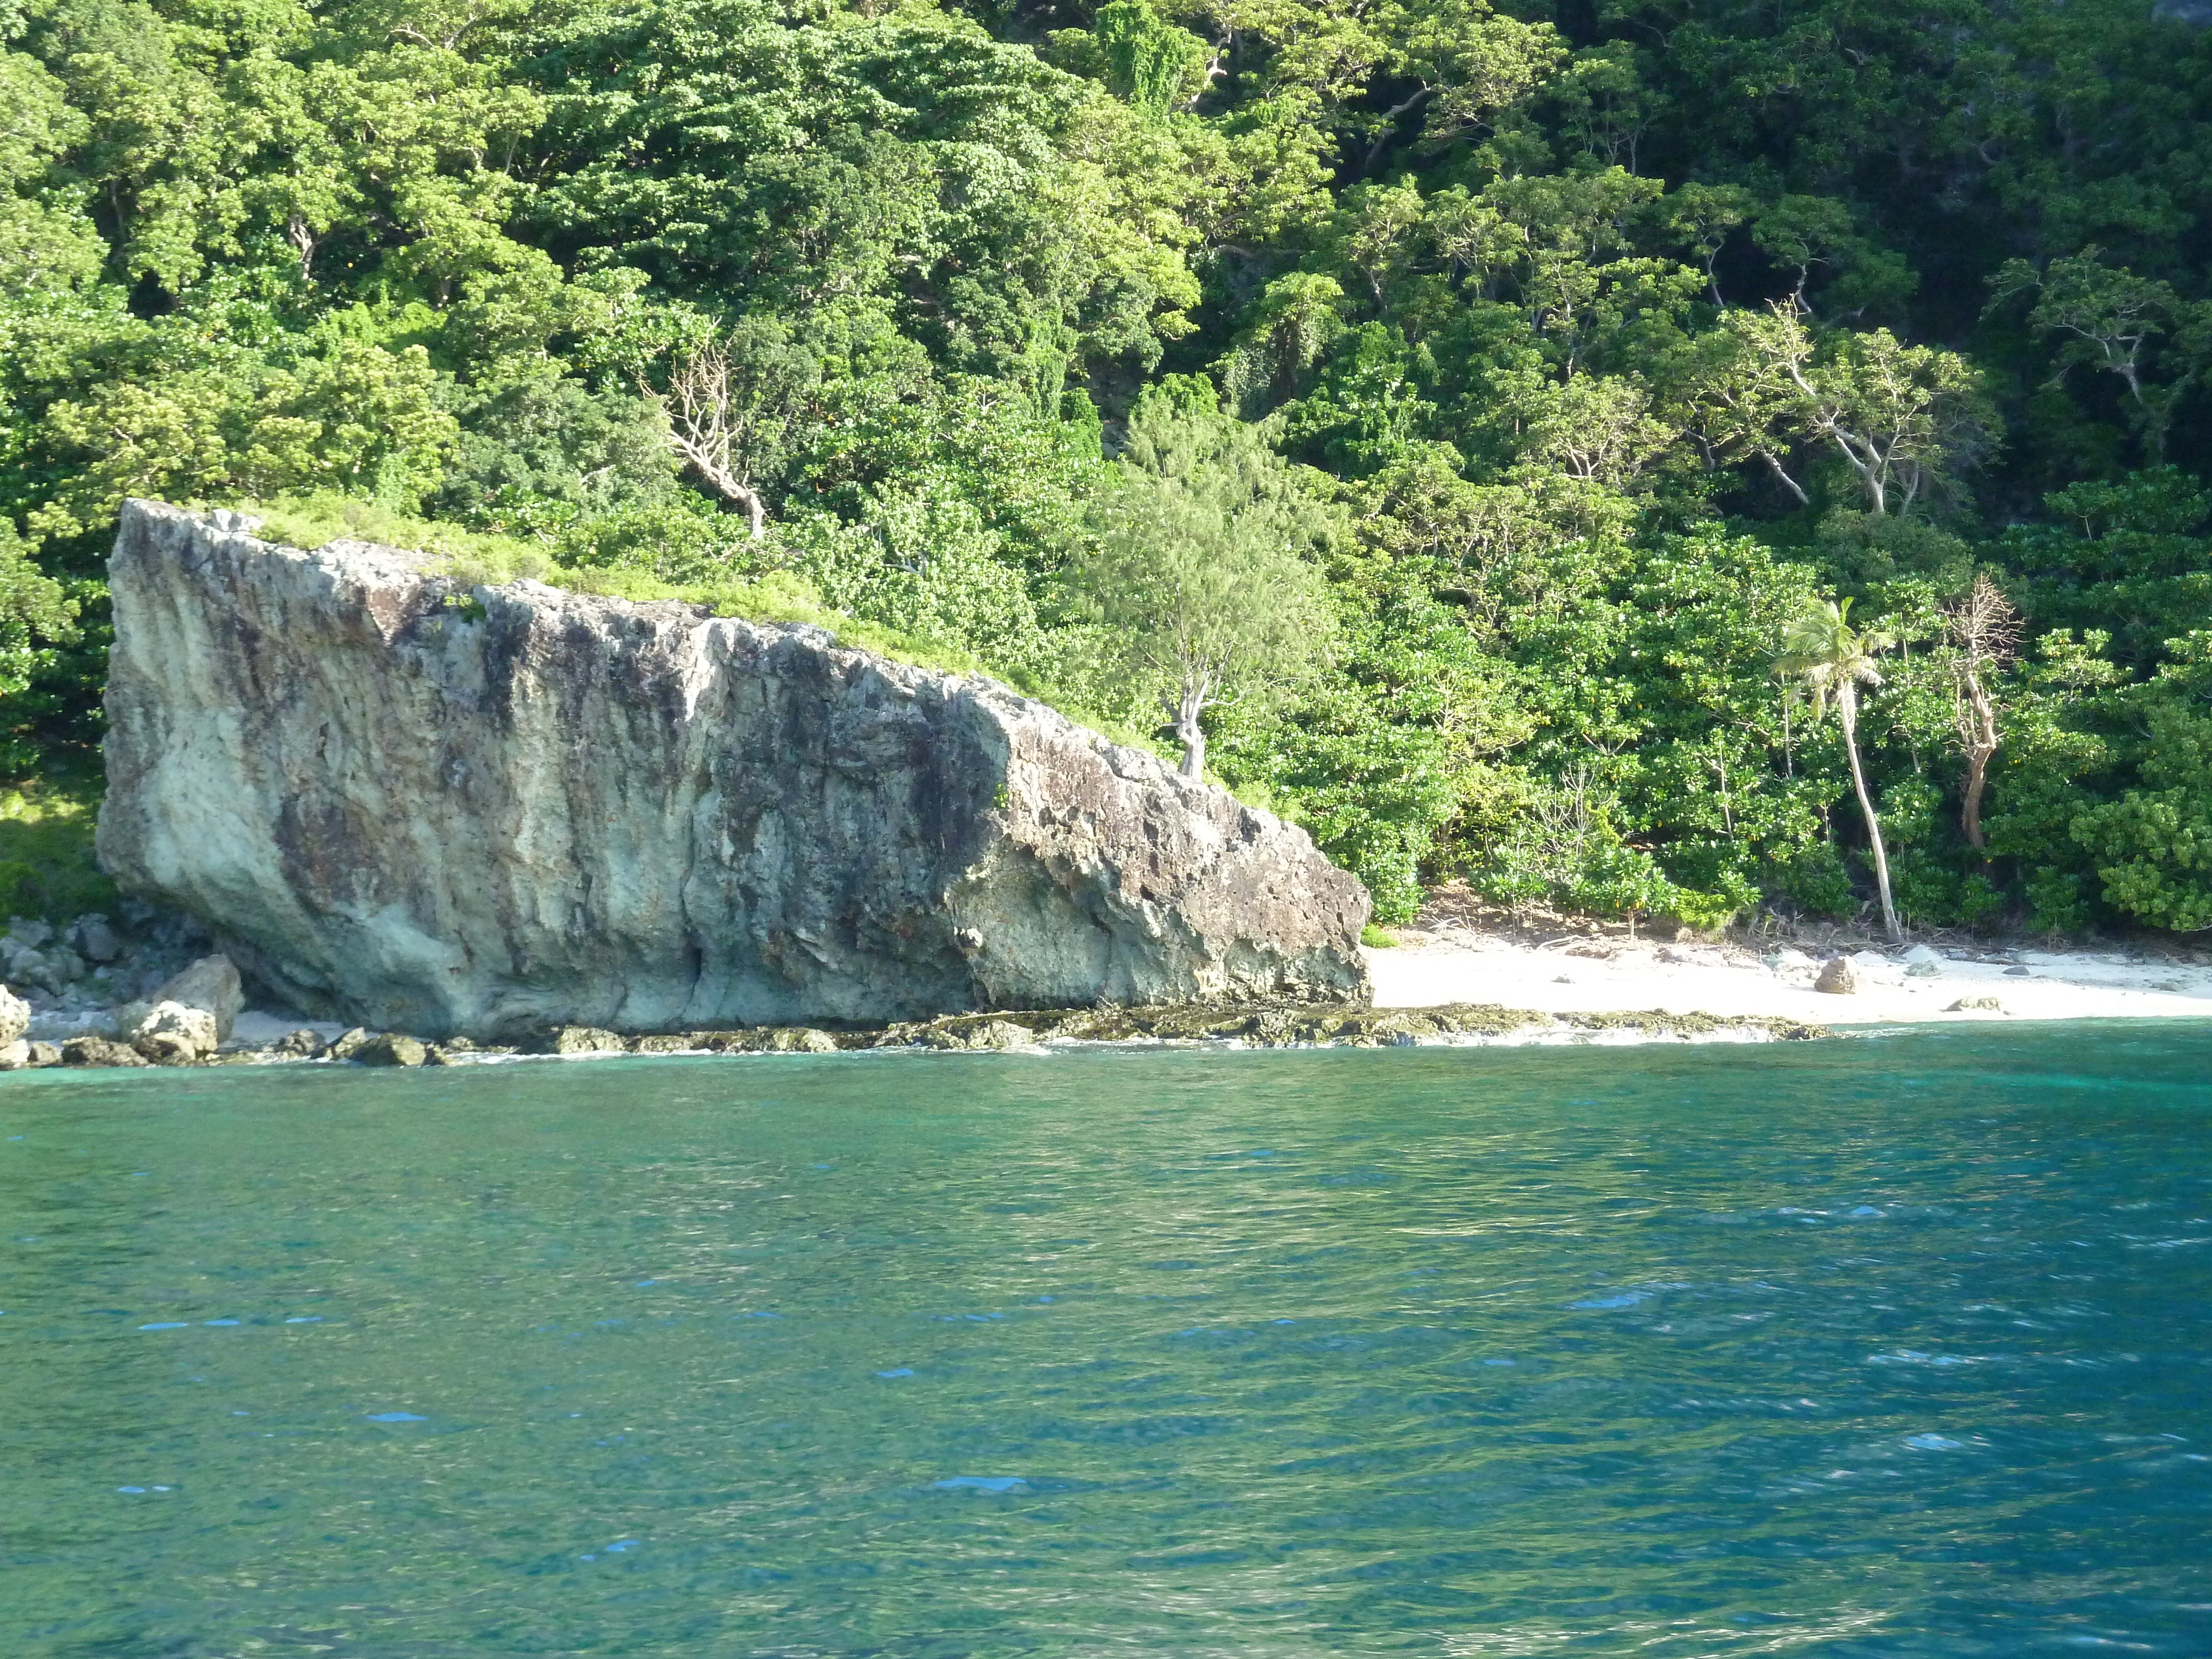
column 578, row 810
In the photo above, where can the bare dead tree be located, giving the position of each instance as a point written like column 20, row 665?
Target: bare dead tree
column 1217, row 69
column 301, row 235
column 1984, row 631
column 709, row 428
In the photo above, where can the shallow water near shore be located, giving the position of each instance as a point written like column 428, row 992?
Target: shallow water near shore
column 1892, row 1346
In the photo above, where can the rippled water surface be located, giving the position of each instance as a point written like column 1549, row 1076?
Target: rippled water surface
column 1887, row 1347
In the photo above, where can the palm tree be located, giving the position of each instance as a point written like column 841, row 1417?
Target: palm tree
column 1829, row 660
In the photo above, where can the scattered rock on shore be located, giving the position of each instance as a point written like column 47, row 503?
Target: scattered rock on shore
column 167, row 1029
column 986, row 1035
column 391, row 1049
column 100, row 1051
column 188, row 1017
column 1838, row 977
column 211, row 983
column 345, row 1045
column 1262, row 1026
column 579, row 1039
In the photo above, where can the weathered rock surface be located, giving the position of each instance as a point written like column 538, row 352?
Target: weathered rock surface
column 15, row 1015
column 96, row 940
column 577, row 1040
column 346, row 1045
column 20, row 1055
column 515, row 808
column 391, row 1049
column 1274, row 1025
column 169, row 1031
column 78, row 978
column 188, row 1016
column 210, row 984
column 1839, row 977
column 99, row 1051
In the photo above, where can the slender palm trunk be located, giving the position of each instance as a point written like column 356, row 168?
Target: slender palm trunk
column 1847, row 708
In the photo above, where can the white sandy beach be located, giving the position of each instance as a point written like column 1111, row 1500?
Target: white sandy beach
column 1584, row 972
column 1581, row 974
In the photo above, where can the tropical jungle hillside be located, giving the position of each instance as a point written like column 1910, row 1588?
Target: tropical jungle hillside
column 1619, row 451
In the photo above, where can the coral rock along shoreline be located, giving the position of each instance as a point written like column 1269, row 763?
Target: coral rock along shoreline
column 485, row 812
column 1265, row 1026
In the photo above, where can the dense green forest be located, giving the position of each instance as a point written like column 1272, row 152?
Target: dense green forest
column 1556, row 445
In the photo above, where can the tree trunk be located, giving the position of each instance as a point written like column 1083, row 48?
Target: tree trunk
column 1981, row 749
column 1189, row 732
column 742, row 497
column 1847, row 708
column 1970, row 815
column 698, row 431
column 303, row 242
column 1795, row 487
column 1390, row 118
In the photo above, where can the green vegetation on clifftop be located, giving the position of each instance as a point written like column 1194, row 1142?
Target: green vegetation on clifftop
column 473, row 558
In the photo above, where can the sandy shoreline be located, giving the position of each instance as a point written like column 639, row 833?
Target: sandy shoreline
column 1596, row 985
column 1578, row 973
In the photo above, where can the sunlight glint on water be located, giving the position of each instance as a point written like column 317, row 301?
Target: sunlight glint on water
column 1891, row 1347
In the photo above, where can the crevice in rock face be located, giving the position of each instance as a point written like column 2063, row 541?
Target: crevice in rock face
column 556, row 810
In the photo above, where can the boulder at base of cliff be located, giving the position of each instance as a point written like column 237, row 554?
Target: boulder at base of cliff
column 188, row 1015
column 391, row 1049
column 14, row 1016
column 211, row 983
column 202, row 1003
column 100, row 1051
column 170, row 1030
column 512, row 808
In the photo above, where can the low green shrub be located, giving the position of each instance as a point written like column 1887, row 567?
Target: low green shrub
column 47, row 867
column 472, row 558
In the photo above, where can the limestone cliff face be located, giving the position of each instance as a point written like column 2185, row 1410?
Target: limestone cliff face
column 426, row 814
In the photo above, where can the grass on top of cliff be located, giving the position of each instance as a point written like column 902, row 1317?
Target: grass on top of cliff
column 475, row 558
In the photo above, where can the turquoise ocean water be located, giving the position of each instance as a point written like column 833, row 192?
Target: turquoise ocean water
column 1898, row 1346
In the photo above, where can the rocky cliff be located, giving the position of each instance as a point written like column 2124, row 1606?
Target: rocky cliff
column 471, row 813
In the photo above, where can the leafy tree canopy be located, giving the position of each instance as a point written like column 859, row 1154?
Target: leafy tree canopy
column 1543, row 362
